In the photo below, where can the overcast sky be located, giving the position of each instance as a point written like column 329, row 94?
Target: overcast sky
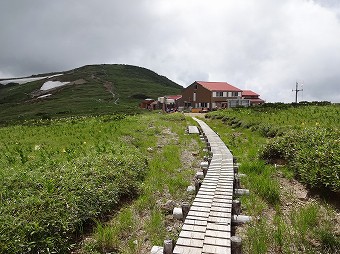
column 263, row 45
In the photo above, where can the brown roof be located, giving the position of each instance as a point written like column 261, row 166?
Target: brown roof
column 249, row 93
column 258, row 100
column 218, row 86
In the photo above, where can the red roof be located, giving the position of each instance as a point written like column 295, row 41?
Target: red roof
column 174, row 97
column 218, row 86
column 249, row 93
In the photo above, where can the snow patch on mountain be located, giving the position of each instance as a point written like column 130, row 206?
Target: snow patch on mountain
column 52, row 84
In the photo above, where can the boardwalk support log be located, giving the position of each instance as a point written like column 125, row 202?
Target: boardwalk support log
column 204, row 164
column 191, row 189
column 240, row 219
column 168, row 247
column 236, row 245
column 177, row 213
column 200, row 175
column 239, row 176
column 241, row 192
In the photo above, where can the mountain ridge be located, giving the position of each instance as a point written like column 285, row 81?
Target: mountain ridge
column 104, row 89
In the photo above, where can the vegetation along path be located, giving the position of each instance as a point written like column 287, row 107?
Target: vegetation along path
column 90, row 185
column 290, row 154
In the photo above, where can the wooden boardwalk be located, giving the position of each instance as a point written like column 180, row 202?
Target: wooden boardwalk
column 207, row 227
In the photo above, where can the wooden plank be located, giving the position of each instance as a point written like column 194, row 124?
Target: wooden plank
column 219, row 220
column 221, row 209
column 218, row 214
column 196, row 228
column 198, row 214
column 187, row 250
column 218, row 227
column 213, row 249
column 193, row 235
column 198, row 243
column 217, row 241
column 200, row 209
column 204, row 200
column 200, row 204
column 189, row 221
column 196, row 218
column 218, row 234
column 222, row 200
column 218, row 204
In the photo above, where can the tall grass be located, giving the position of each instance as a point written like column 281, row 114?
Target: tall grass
column 57, row 176
column 167, row 178
column 260, row 181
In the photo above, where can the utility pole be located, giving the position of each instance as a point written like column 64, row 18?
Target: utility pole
column 296, row 91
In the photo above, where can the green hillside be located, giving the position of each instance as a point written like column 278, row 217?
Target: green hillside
column 92, row 94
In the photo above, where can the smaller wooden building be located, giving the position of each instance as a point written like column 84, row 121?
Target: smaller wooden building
column 254, row 98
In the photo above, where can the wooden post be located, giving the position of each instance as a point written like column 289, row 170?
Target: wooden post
column 198, row 184
column 235, row 159
column 236, row 245
column 208, row 146
column 168, row 247
column 185, row 209
column 236, row 207
column 205, row 171
column 237, row 184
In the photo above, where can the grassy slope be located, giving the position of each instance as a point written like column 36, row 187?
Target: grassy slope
column 284, row 223
column 305, row 138
column 90, row 98
column 56, row 175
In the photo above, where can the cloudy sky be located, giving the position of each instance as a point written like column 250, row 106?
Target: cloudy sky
column 263, row 45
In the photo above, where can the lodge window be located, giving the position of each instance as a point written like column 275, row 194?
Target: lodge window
column 219, row 94
column 234, row 94
column 204, row 104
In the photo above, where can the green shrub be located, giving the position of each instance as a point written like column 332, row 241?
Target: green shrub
column 312, row 153
column 56, row 178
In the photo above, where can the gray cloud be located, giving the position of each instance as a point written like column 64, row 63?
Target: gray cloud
column 262, row 45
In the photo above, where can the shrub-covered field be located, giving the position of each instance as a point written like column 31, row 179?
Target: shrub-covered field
column 288, row 218
column 306, row 138
column 58, row 175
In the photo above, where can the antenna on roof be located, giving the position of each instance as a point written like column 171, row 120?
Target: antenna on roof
column 297, row 90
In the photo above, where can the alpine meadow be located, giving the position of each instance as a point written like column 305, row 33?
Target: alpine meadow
column 85, row 170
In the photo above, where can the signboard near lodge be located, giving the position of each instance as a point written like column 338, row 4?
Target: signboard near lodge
column 214, row 95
